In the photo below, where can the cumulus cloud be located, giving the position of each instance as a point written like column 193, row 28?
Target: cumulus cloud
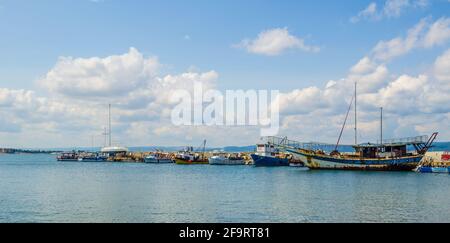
column 81, row 88
column 410, row 102
column 274, row 42
column 101, row 77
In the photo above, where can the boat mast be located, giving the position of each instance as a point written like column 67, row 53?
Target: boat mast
column 356, row 120
column 109, row 123
column 343, row 125
column 381, row 125
column 204, row 147
column 105, row 134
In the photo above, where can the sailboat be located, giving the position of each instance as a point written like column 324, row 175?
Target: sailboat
column 386, row 155
column 110, row 150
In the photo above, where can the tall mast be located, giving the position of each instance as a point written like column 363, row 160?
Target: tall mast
column 356, row 120
column 343, row 125
column 105, row 134
column 204, row 146
column 109, row 123
column 381, row 125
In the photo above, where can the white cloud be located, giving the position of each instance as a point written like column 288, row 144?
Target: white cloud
column 274, row 42
column 417, row 104
column 101, row 77
column 364, row 65
column 370, row 12
column 438, row 33
column 422, row 35
column 391, row 9
column 442, row 67
column 386, row 50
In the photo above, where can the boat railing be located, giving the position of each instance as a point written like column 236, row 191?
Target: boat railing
column 283, row 142
column 406, row 140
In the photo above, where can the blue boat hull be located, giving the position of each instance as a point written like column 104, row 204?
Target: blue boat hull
column 268, row 161
column 429, row 169
column 100, row 159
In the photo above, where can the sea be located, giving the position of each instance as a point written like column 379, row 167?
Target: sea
column 37, row 188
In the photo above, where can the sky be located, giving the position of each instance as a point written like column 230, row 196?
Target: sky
column 62, row 62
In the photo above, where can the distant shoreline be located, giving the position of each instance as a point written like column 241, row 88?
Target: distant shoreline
column 438, row 146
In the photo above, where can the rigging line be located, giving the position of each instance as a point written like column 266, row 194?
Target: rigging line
column 345, row 121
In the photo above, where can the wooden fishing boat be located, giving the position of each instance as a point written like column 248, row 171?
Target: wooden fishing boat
column 189, row 157
column 386, row 155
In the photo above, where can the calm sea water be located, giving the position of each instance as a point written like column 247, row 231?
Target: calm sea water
column 36, row 188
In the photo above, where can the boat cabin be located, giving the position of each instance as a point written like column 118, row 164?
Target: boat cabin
column 114, row 151
column 381, row 150
column 266, row 149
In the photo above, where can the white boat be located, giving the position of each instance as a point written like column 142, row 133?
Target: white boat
column 226, row 160
column 158, row 159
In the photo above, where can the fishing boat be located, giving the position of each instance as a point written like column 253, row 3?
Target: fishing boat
column 268, row 155
column 435, row 163
column 67, row 156
column 386, row 155
column 189, row 157
column 380, row 157
column 158, row 158
column 225, row 159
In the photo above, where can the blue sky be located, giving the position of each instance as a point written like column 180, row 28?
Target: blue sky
column 36, row 33
column 203, row 35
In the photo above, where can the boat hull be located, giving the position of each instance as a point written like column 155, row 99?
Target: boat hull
column 92, row 160
column 67, row 160
column 188, row 162
column 224, row 161
column 430, row 169
column 264, row 161
column 320, row 162
column 157, row 161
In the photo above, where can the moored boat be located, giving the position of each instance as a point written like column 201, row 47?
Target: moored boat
column 387, row 155
column 92, row 157
column 367, row 157
column 433, row 169
column 158, row 159
column 435, row 163
column 223, row 159
column 189, row 157
column 267, row 155
column 67, row 156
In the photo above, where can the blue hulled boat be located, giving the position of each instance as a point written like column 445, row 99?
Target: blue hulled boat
column 435, row 162
column 268, row 155
column 433, row 169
